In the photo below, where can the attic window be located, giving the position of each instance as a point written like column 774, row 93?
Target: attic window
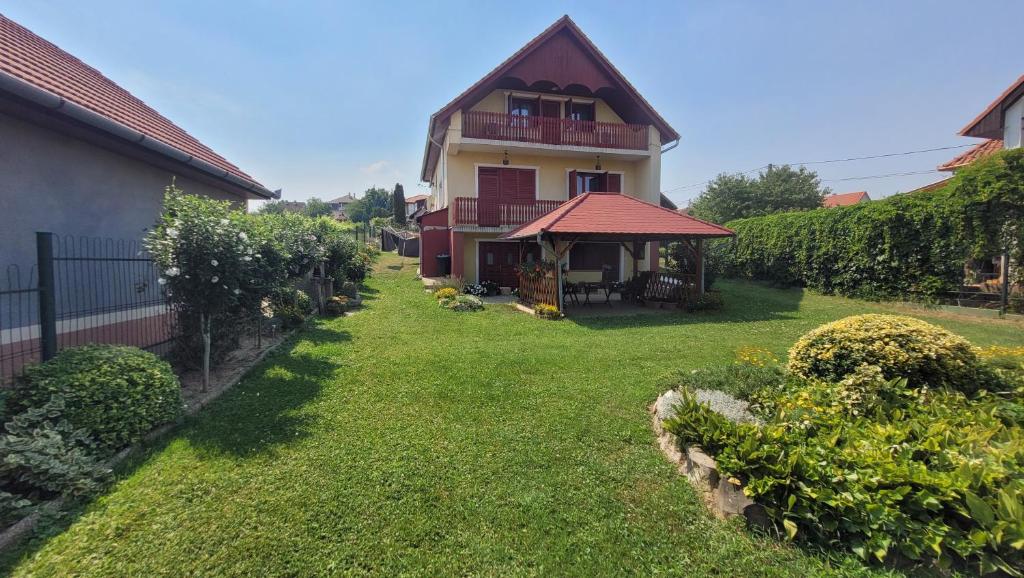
column 580, row 110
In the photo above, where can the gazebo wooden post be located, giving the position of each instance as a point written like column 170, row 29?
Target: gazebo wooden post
column 700, row 266
column 636, row 260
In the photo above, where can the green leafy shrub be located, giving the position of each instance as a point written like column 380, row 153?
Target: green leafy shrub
column 905, row 245
column 547, row 311
column 737, row 379
column 461, row 303
column 291, row 306
column 116, row 394
column 899, row 346
column 446, row 293
column 709, row 301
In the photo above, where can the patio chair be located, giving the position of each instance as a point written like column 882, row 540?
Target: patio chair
column 569, row 289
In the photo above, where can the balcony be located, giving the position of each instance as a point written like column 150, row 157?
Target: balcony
column 469, row 212
column 496, row 126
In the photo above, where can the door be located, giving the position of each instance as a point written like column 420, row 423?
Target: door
column 498, row 261
column 551, row 124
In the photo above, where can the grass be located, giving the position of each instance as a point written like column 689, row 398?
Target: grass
column 407, row 439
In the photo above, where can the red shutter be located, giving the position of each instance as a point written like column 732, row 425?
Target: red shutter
column 572, row 184
column 613, row 183
column 526, row 192
column 487, row 196
column 508, row 182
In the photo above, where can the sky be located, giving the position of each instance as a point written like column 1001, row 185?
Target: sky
column 326, row 98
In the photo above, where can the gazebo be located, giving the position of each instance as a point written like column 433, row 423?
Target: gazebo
column 614, row 218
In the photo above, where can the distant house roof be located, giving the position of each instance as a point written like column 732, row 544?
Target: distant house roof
column 989, row 124
column 845, row 199
column 416, row 199
column 343, row 199
column 616, row 214
column 614, row 88
column 973, row 154
column 38, row 71
column 932, row 187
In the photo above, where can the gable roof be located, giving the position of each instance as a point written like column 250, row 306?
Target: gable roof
column 39, row 71
column 616, row 214
column 845, row 199
column 598, row 68
column 973, row 154
column 989, row 124
column 346, row 198
column 416, row 199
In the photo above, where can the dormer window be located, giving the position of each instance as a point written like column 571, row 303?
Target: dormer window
column 579, row 110
column 522, row 107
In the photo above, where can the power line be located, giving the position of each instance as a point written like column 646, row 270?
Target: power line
column 880, row 156
column 906, row 174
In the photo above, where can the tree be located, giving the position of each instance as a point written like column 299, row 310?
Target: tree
column 271, row 208
column 316, row 207
column 398, row 204
column 375, row 202
column 776, row 189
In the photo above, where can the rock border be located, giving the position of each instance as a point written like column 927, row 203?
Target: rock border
column 724, row 497
column 19, row 530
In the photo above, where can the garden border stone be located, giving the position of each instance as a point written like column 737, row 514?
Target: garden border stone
column 724, row 497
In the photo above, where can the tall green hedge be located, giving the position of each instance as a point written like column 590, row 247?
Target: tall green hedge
column 911, row 244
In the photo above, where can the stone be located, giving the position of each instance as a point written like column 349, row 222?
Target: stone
column 701, row 469
column 730, row 499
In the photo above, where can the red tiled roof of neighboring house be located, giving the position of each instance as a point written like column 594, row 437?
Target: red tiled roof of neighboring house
column 416, row 199
column 845, row 199
column 982, row 125
column 975, row 153
column 616, row 214
column 932, row 187
column 36, row 61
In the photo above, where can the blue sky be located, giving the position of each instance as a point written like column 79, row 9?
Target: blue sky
column 324, row 98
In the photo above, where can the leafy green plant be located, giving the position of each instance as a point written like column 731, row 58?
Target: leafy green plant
column 924, row 354
column 116, row 394
column 547, row 311
column 291, row 306
column 337, row 305
column 737, row 379
column 446, row 293
column 709, row 301
column 461, row 303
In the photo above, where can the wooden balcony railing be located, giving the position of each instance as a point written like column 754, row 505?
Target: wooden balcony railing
column 469, row 211
column 554, row 131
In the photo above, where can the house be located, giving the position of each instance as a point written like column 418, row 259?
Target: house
column 1001, row 125
column 554, row 122
column 340, row 204
column 846, row 199
column 79, row 155
column 415, row 203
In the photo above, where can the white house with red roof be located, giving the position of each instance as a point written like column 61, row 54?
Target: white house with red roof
column 80, row 155
column 551, row 124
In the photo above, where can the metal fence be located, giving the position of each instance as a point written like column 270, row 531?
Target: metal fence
column 81, row 290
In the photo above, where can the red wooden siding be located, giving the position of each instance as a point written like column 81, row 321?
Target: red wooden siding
column 554, row 131
column 434, row 240
column 497, row 261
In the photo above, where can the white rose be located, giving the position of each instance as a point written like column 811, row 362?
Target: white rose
column 172, row 272
column 215, row 279
column 214, row 262
column 172, row 232
column 162, row 281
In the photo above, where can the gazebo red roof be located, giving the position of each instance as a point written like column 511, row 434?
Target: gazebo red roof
column 616, row 215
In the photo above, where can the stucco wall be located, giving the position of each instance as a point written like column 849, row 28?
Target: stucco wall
column 1012, row 125
column 51, row 182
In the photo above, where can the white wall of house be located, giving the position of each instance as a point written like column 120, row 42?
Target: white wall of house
column 1012, row 125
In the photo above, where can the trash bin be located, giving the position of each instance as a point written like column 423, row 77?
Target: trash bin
column 444, row 264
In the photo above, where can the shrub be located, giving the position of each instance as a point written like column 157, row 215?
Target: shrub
column 337, row 305
column 116, row 394
column 291, row 306
column 899, row 346
column 491, row 287
column 462, row 303
column 880, row 478
column 737, row 379
column 42, row 456
column 709, row 301
column 446, row 293
column 547, row 311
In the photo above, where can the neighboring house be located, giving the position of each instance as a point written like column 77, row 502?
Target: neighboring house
column 339, row 206
column 79, row 155
column 551, row 123
column 846, row 199
column 293, row 206
column 415, row 203
column 84, row 159
column 1001, row 124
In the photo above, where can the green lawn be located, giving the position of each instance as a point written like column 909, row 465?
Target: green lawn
column 410, row 440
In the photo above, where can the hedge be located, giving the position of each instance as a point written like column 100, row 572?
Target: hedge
column 910, row 244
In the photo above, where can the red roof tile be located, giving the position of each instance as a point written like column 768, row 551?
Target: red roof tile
column 975, row 153
column 616, row 214
column 32, row 59
column 845, row 199
column 416, row 199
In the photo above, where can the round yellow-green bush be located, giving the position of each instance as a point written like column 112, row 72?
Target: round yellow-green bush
column 900, row 346
column 446, row 293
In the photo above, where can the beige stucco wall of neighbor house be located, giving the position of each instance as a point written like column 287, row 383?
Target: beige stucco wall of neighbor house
column 55, row 183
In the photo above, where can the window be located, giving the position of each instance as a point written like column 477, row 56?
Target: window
column 589, row 182
column 594, row 256
column 522, row 107
column 580, row 111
